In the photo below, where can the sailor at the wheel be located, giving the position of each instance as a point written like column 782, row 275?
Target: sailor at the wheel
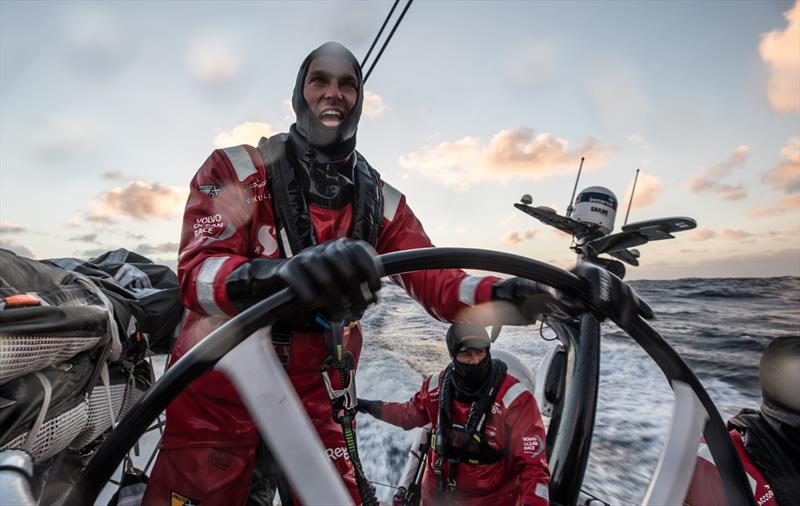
column 304, row 210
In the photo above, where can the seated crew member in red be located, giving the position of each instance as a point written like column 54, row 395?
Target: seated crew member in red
column 261, row 218
column 767, row 440
column 489, row 441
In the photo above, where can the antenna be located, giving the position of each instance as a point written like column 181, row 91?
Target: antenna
column 630, row 202
column 574, row 189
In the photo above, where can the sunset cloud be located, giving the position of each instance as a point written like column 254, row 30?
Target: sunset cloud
column 780, row 50
column 373, row 105
column 707, row 180
column 213, row 60
column 115, row 175
column 510, row 154
column 139, row 201
column 735, row 234
column 249, row 132
column 648, row 189
column 516, row 237
column 11, row 228
column 786, row 175
column 84, row 238
column 17, row 248
column 788, row 203
column 702, row 234
column 164, row 247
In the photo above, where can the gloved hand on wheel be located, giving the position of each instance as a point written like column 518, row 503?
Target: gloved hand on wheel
column 607, row 293
column 370, row 407
column 532, row 301
column 339, row 278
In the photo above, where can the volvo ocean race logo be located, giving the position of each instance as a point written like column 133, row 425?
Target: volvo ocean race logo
column 208, row 225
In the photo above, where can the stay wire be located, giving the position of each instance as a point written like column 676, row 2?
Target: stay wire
column 388, row 38
column 380, row 32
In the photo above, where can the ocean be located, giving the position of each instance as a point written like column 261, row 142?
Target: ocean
column 719, row 327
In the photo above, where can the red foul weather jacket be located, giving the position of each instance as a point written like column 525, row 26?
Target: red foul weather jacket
column 514, row 423
column 706, row 487
column 209, row 444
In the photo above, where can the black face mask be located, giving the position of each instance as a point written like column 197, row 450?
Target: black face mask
column 312, row 139
column 469, row 379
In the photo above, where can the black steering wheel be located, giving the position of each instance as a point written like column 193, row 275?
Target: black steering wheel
column 206, row 354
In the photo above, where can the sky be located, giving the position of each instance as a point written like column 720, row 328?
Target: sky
column 107, row 109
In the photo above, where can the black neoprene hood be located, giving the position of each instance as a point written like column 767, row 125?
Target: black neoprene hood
column 339, row 139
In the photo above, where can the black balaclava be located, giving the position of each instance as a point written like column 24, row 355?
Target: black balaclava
column 469, row 379
column 316, row 141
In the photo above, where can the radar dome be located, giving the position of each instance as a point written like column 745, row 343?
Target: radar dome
column 596, row 206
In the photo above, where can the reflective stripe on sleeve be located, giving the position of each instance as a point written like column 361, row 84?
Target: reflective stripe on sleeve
column 541, row 491
column 241, row 161
column 705, row 453
column 511, row 395
column 467, row 289
column 205, row 285
column 391, row 201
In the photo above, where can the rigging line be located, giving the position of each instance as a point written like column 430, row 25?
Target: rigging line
column 388, row 38
column 382, row 484
column 380, row 32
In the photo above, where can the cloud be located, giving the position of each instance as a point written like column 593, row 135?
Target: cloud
column 788, row 203
column 11, row 228
column 373, row 105
column 288, row 110
column 84, row 238
column 786, row 175
column 702, row 234
column 516, row 238
column 735, row 234
column 249, row 132
column 510, row 154
column 763, row 263
column 140, row 201
column 638, row 139
column 213, row 60
column 648, row 189
column 707, row 179
column 164, row 247
column 116, row 175
column 17, row 248
column 780, row 50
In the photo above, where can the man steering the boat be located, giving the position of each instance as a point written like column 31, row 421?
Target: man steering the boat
column 304, row 210
column 488, row 444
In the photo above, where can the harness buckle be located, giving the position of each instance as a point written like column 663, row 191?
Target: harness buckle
column 345, row 397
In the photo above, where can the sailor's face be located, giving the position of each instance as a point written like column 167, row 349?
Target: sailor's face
column 330, row 89
column 471, row 356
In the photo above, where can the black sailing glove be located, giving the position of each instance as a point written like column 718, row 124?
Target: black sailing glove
column 369, row 407
column 339, row 278
column 612, row 296
column 532, row 300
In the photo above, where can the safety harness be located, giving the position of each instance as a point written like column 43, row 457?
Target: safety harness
column 343, row 403
column 296, row 232
column 458, row 443
column 292, row 217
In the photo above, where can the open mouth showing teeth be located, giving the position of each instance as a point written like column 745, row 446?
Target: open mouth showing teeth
column 331, row 115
